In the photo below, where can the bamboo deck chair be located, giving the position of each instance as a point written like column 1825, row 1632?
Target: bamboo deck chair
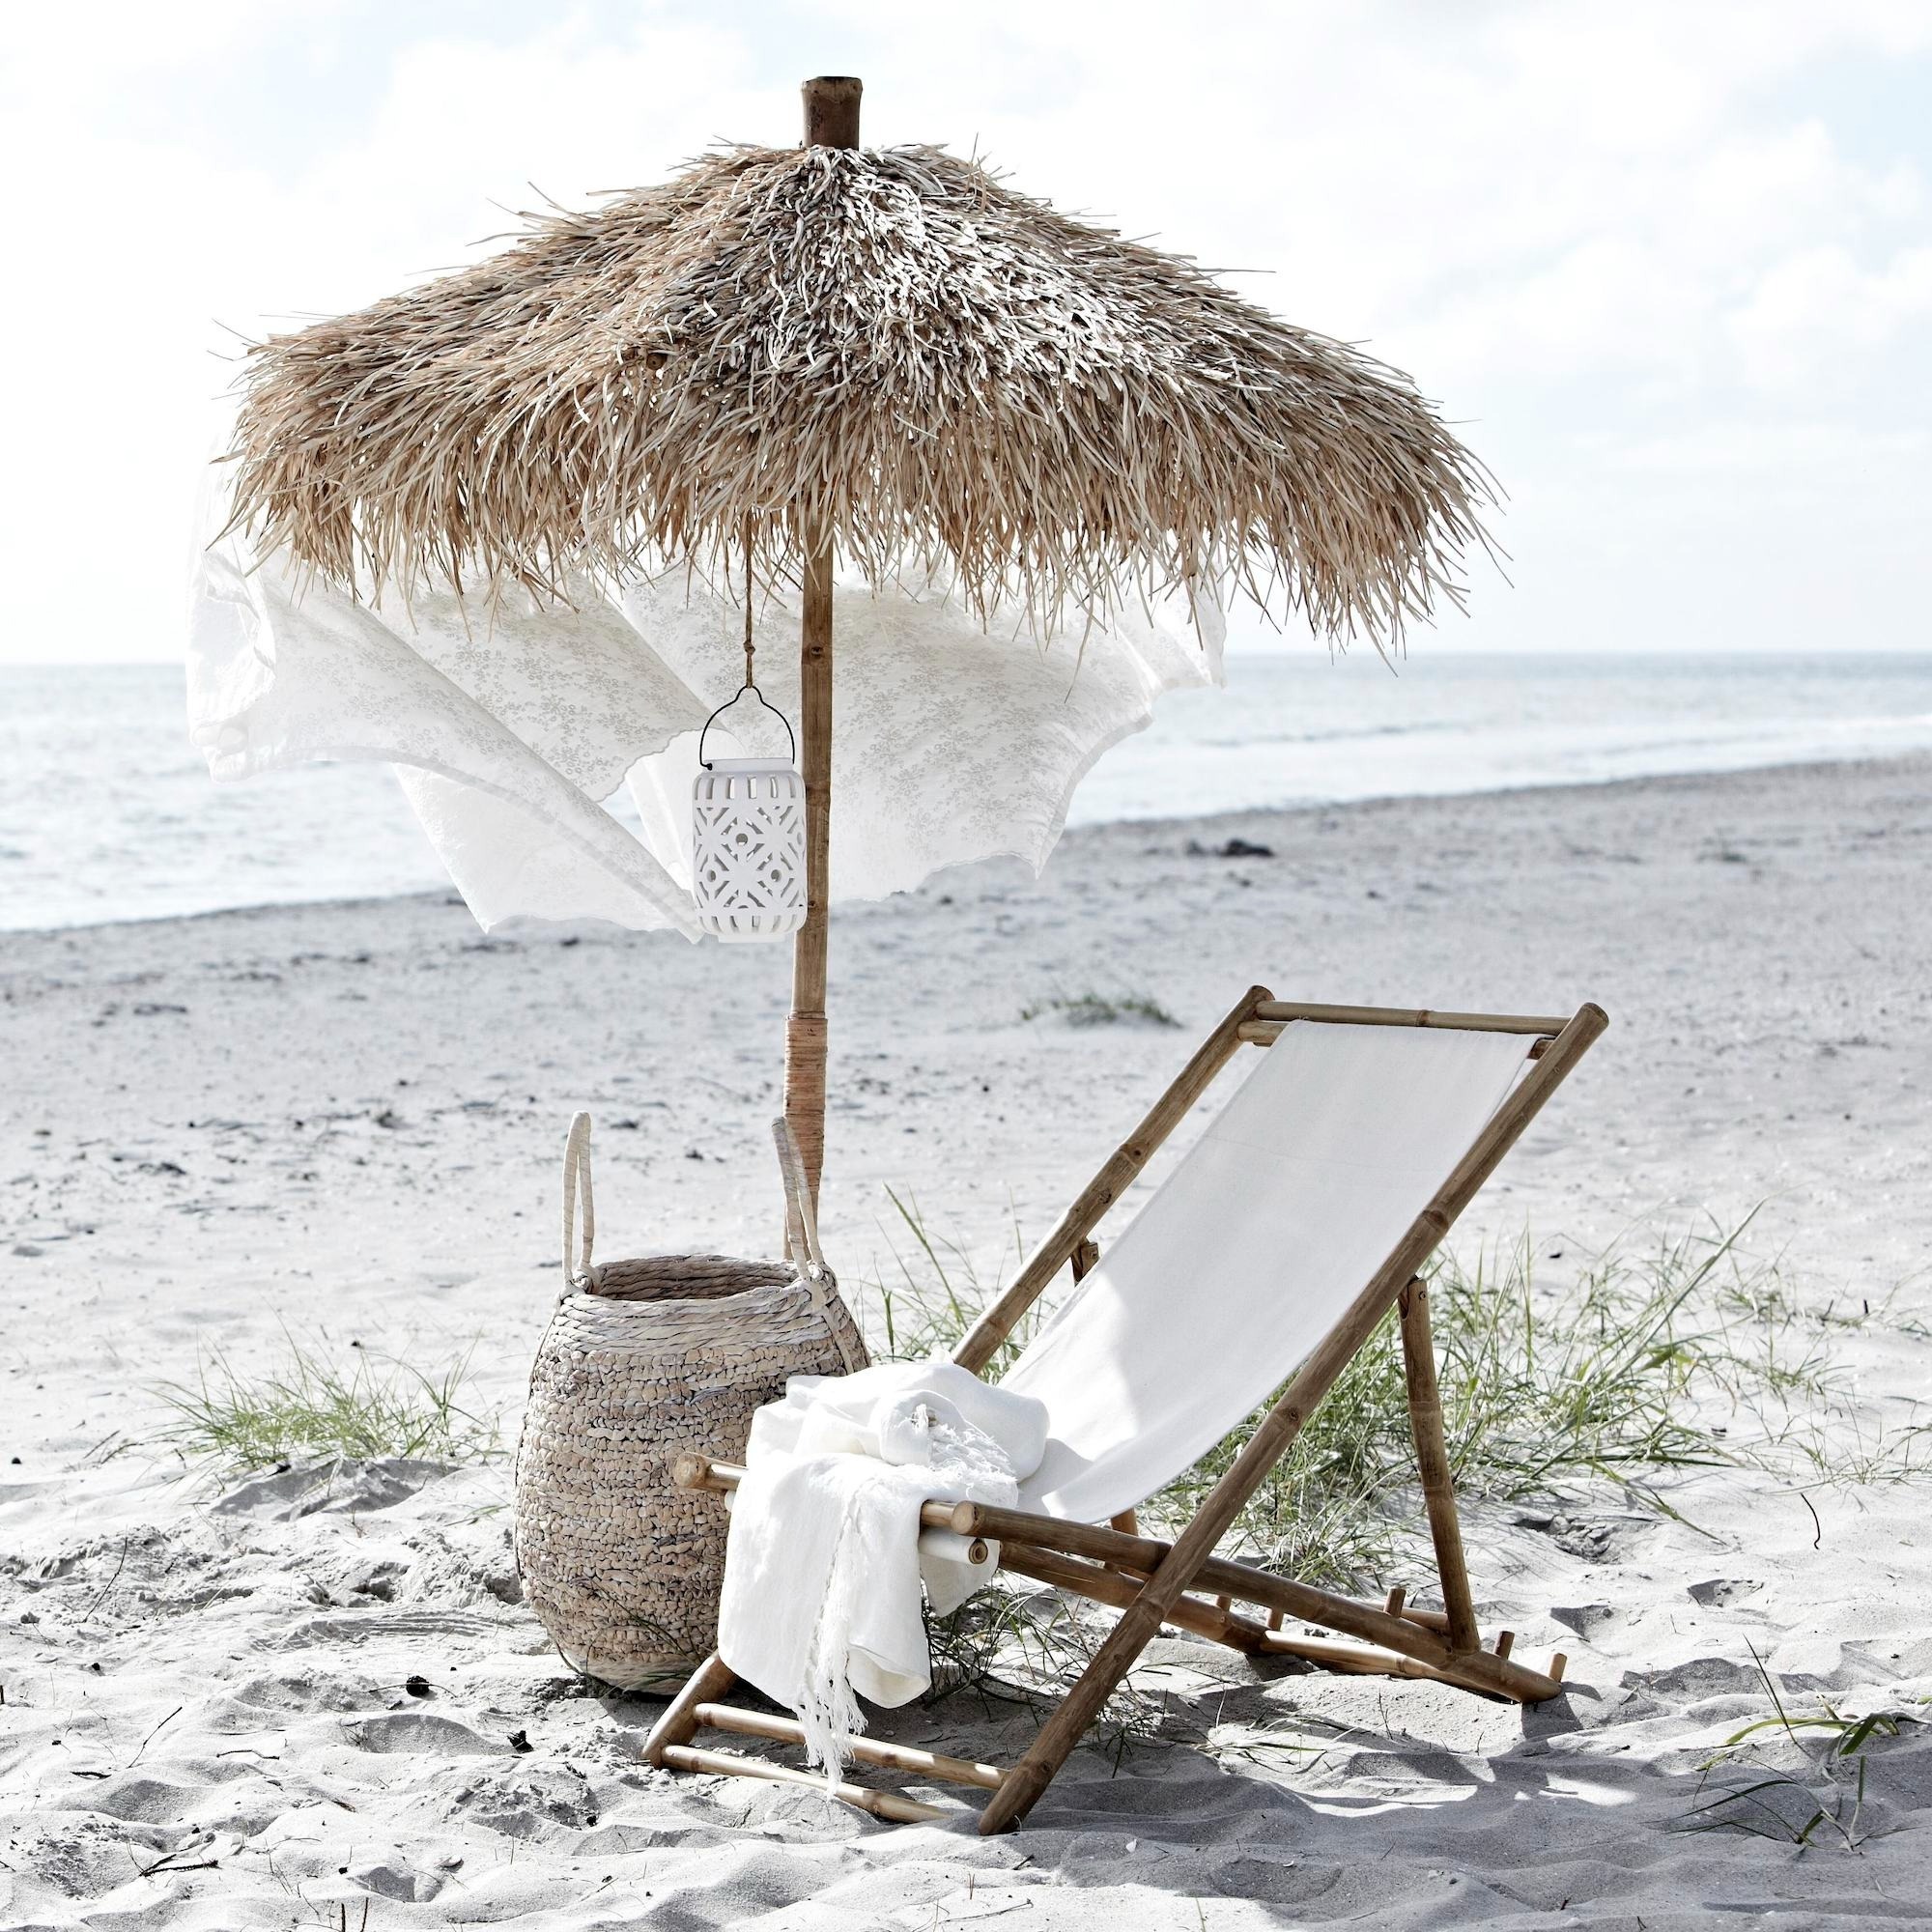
column 1274, row 1249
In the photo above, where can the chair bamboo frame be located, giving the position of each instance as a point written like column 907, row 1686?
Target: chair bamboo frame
column 1183, row 1585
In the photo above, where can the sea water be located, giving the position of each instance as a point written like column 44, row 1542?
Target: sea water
column 106, row 812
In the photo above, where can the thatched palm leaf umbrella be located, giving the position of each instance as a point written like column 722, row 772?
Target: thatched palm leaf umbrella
column 883, row 354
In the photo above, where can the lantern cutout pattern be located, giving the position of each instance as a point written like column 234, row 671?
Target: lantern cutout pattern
column 748, row 832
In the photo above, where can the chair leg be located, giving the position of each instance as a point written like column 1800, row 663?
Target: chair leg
column 1139, row 1624
column 1432, row 1458
column 679, row 1723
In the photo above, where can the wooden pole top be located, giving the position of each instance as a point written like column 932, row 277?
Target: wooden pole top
column 832, row 110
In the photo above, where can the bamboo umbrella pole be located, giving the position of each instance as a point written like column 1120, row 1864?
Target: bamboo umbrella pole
column 805, row 1029
column 830, row 121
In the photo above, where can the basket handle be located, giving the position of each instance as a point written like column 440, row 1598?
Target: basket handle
column 802, row 1248
column 576, row 1188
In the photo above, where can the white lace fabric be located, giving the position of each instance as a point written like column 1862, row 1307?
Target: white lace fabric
column 511, row 726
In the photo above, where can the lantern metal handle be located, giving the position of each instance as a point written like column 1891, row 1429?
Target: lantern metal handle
column 790, row 737
column 748, row 684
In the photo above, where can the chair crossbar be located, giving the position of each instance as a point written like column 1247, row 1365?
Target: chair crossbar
column 863, row 1751
column 1411, row 1016
column 1265, row 1032
column 1103, row 1585
column 893, row 1804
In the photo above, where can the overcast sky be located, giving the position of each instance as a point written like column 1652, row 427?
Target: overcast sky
column 1669, row 265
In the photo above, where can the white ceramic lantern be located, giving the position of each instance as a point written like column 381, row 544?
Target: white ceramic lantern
column 748, row 826
column 748, row 847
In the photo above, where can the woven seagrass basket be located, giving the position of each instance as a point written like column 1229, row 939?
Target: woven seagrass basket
column 644, row 1359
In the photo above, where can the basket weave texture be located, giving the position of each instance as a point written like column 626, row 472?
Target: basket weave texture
column 644, row 1359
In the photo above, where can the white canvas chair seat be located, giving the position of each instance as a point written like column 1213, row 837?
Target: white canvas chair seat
column 1250, row 1252
column 1262, row 1265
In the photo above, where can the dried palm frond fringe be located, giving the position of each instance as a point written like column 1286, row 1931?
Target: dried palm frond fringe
column 887, row 344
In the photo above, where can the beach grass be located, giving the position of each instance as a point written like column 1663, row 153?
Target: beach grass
column 316, row 1402
column 1568, row 1381
column 1818, row 1793
column 1646, row 1364
column 1095, row 1009
column 932, row 1288
column 1629, row 1370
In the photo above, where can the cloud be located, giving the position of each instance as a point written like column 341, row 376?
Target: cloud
column 1818, row 316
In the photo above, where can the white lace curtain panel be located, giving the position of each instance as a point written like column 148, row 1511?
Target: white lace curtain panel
column 510, row 729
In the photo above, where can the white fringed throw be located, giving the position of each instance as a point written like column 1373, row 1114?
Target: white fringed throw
column 824, row 1569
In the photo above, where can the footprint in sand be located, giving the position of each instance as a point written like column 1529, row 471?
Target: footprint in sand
column 421, row 1731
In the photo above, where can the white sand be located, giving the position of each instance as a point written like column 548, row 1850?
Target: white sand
column 348, row 1119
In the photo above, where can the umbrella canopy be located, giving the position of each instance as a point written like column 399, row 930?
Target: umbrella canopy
column 789, row 360
column 887, row 346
